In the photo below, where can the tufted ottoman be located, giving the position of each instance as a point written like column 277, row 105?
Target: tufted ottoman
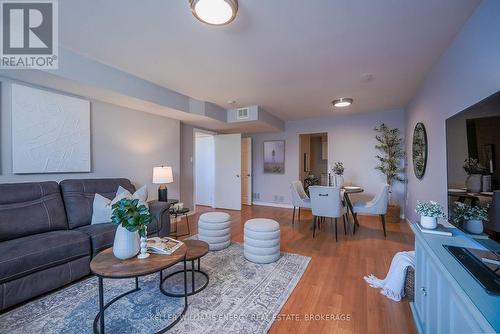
column 262, row 240
column 215, row 229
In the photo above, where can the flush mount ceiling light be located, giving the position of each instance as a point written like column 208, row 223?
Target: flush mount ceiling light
column 214, row 12
column 342, row 102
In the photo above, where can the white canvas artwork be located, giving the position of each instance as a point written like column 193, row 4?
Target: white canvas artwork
column 50, row 132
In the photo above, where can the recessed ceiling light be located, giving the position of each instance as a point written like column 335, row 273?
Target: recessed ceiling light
column 214, row 12
column 342, row 102
column 231, row 102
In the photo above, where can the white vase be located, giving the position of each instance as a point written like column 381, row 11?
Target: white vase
column 474, row 226
column 339, row 181
column 474, row 182
column 429, row 223
column 126, row 244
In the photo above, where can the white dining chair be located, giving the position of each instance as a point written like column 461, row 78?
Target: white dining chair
column 377, row 206
column 299, row 198
column 327, row 202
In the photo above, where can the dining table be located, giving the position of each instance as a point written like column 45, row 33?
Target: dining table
column 349, row 190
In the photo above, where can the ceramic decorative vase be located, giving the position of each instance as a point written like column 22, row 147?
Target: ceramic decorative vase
column 429, row 223
column 126, row 244
column 144, row 246
column 474, row 226
column 339, row 181
column 474, row 182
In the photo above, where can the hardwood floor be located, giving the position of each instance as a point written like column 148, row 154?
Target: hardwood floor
column 333, row 283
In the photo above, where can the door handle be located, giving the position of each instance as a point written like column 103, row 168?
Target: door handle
column 249, row 175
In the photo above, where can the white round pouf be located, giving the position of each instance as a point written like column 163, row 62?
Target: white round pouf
column 262, row 240
column 215, row 229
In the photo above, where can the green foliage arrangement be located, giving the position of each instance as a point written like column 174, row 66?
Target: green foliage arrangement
column 390, row 145
column 464, row 212
column 472, row 166
column 131, row 215
column 338, row 168
column 430, row 209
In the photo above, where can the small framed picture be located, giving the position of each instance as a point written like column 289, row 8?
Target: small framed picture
column 274, row 157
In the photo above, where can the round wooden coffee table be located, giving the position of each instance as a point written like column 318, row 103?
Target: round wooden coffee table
column 106, row 265
column 196, row 249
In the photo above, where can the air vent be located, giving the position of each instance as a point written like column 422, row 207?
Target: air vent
column 243, row 113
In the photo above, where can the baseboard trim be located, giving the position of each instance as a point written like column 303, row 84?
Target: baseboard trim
column 276, row 205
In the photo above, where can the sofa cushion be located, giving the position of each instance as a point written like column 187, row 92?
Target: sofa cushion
column 30, row 208
column 103, row 235
column 79, row 195
column 23, row 256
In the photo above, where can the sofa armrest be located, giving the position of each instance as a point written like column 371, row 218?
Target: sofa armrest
column 161, row 217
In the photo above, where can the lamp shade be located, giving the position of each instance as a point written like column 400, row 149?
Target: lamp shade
column 162, row 175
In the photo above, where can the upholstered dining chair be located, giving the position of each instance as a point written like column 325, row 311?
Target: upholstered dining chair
column 327, row 202
column 377, row 206
column 299, row 198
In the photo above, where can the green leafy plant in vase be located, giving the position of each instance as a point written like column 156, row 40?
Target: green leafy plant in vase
column 429, row 212
column 132, row 219
column 470, row 217
column 338, row 172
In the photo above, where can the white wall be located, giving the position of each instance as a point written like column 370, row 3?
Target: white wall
column 468, row 72
column 204, row 164
column 351, row 139
column 124, row 143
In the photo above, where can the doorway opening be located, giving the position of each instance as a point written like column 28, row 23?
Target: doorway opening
column 313, row 159
column 222, row 170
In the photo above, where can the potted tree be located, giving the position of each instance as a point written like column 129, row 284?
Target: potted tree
column 471, row 217
column 132, row 220
column 390, row 146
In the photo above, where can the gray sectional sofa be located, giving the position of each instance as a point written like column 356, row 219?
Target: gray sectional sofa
column 46, row 240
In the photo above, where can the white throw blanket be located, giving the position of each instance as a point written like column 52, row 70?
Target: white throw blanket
column 393, row 285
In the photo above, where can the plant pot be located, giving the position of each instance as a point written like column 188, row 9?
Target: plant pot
column 429, row 223
column 473, row 226
column 474, row 182
column 338, row 181
column 126, row 244
column 393, row 214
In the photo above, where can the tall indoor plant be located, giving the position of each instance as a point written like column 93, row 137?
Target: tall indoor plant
column 132, row 219
column 390, row 146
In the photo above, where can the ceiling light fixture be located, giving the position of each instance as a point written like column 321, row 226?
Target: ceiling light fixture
column 342, row 102
column 214, row 12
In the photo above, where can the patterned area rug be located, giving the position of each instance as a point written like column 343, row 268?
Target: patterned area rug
column 241, row 297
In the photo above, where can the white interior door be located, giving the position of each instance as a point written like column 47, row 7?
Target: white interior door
column 204, row 169
column 227, row 194
column 246, row 171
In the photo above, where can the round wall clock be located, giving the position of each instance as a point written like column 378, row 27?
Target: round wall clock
column 419, row 150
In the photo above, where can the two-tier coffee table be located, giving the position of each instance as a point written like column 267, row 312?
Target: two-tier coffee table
column 106, row 265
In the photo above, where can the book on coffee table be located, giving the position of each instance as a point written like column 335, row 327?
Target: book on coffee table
column 163, row 246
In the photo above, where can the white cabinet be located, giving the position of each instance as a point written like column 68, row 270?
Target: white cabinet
column 440, row 306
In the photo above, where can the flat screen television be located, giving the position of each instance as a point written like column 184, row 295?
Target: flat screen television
column 473, row 161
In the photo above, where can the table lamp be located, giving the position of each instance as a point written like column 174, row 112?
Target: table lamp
column 162, row 175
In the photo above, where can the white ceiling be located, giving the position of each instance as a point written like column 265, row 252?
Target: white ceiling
column 291, row 57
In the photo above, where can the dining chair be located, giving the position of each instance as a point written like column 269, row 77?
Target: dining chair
column 377, row 206
column 327, row 202
column 299, row 198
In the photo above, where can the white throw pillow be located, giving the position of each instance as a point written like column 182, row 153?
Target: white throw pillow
column 102, row 206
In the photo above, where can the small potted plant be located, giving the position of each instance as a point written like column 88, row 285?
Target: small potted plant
column 338, row 171
column 474, row 170
column 471, row 217
column 429, row 212
column 132, row 220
